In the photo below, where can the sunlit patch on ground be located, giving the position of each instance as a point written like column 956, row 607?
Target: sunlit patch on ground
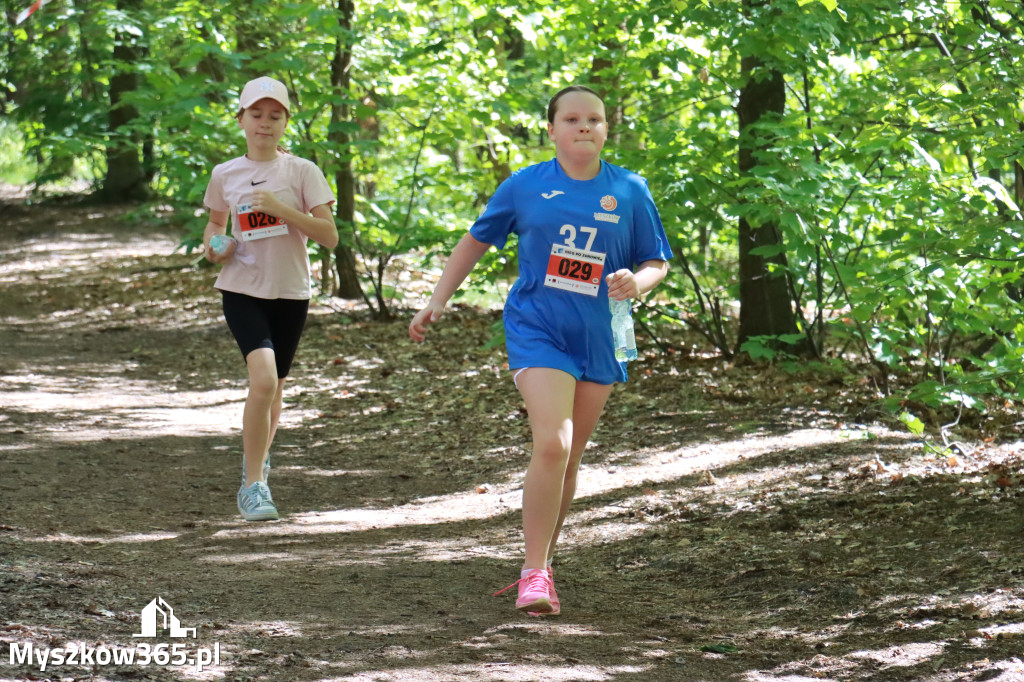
column 731, row 522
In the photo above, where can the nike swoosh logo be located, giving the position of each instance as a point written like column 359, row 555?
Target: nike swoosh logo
column 254, row 183
column 552, row 195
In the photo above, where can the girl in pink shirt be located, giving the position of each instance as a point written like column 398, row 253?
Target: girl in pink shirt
column 275, row 203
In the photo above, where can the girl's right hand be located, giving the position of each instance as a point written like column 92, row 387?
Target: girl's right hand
column 222, row 257
column 418, row 327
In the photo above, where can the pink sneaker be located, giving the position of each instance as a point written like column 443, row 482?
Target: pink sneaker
column 534, row 591
column 556, row 606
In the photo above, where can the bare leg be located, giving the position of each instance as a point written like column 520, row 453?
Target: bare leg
column 258, row 423
column 588, row 405
column 549, row 395
column 275, row 417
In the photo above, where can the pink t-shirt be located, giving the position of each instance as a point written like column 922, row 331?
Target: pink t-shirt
column 275, row 266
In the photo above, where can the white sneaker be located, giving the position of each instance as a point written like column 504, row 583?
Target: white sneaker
column 255, row 502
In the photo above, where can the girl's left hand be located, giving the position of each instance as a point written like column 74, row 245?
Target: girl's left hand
column 267, row 202
column 622, row 284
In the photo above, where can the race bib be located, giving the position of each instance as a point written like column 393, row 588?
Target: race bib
column 574, row 270
column 258, row 225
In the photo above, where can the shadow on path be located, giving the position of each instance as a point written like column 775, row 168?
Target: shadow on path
column 708, row 541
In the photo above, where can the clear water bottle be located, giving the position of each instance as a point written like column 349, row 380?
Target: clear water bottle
column 622, row 329
column 220, row 243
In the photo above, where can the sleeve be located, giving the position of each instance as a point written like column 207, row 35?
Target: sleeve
column 214, row 198
column 315, row 190
column 498, row 220
column 651, row 242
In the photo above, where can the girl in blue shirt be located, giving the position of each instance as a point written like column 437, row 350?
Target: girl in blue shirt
column 588, row 231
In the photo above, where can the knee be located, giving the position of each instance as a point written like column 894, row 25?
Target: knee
column 263, row 387
column 553, row 447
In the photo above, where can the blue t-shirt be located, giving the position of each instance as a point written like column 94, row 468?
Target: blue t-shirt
column 611, row 214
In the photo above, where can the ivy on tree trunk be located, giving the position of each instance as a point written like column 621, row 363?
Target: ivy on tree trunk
column 765, row 305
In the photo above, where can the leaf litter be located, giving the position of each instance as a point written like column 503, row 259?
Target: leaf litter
column 733, row 521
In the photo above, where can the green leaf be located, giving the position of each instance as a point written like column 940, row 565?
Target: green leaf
column 757, row 350
column 768, row 250
column 915, row 425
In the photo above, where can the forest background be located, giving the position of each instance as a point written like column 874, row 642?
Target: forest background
column 840, row 182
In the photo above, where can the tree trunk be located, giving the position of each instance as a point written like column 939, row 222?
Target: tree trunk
column 765, row 305
column 126, row 177
column 344, row 257
column 600, row 65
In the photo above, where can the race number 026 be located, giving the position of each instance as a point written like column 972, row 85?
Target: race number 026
column 259, row 225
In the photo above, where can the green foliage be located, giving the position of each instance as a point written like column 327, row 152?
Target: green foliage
column 831, row 5
column 890, row 176
column 770, row 347
column 15, row 166
column 885, row 181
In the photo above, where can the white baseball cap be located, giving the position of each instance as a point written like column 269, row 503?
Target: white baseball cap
column 264, row 87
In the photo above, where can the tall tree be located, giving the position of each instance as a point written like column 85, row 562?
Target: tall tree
column 339, row 135
column 126, row 178
column 766, row 308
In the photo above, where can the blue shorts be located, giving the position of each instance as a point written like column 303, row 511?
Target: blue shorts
column 529, row 347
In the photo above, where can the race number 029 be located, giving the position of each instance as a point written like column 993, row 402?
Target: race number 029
column 574, row 270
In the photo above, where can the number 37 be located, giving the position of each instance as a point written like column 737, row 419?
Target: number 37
column 570, row 236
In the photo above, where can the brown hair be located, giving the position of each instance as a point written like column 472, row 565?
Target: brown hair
column 553, row 104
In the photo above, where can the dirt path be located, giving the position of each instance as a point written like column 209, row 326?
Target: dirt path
column 715, row 537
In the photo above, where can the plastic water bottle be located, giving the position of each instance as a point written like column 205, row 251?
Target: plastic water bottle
column 220, row 243
column 622, row 329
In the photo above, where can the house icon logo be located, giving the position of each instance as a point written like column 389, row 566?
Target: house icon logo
column 157, row 609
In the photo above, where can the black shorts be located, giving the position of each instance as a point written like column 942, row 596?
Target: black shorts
column 276, row 324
